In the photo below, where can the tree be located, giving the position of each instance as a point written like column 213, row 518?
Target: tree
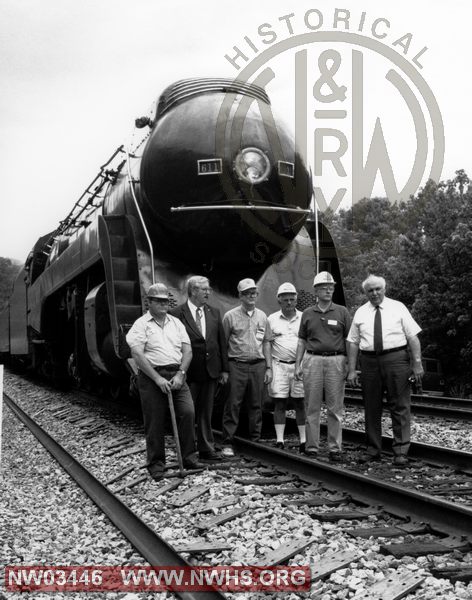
column 423, row 248
column 8, row 272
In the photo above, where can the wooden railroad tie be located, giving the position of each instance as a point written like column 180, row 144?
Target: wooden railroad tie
column 322, row 500
column 337, row 515
column 285, row 551
column 394, row 531
column 189, row 496
column 443, row 546
column 394, row 587
column 211, row 522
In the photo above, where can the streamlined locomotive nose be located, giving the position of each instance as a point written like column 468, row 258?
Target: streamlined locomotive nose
column 239, row 181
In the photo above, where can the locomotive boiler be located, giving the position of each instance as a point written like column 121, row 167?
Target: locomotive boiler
column 210, row 184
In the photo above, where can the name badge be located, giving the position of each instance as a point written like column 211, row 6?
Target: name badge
column 332, row 322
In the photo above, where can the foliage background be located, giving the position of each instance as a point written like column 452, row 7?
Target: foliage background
column 423, row 248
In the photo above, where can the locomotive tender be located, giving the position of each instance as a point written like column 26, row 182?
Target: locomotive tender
column 209, row 185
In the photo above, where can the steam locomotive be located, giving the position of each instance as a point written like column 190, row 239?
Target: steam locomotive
column 209, row 184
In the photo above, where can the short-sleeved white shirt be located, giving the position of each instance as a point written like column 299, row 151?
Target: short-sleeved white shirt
column 285, row 335
column 397, row 325
column 162, row 345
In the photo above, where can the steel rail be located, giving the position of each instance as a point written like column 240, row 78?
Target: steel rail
column 447, row 412
column 428, row 453
column 426, row 398
column 425, row 452
column 152, row 547
column 443, row 516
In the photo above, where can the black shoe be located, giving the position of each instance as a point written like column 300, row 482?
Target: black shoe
column 335, row 457
column 367, row 458
column 193, row 464
column 157, row 476
column 280, row 445
column 311, row 452
column 400, row 461
column 301, row 448
column 210, row 456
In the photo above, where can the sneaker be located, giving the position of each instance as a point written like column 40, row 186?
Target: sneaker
column 280, row 445
column 400, row 461
column 227, row 452
column 335, row 457
column 301, row 448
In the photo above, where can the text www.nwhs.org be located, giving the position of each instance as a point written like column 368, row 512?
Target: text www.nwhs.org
column 157, row 579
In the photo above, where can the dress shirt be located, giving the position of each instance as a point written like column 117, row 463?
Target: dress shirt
column 284, row 335
column 397, row 325
column 162, row 345
column 193, row 310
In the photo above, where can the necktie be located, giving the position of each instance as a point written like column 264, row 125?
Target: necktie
column 378, row 344
column 199, row 320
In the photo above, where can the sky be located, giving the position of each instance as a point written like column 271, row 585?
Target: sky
column 75, row 75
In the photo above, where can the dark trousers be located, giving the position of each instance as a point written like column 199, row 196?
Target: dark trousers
column 387, row 372
column 203, row 394
column 242, row 377
column 154, row 404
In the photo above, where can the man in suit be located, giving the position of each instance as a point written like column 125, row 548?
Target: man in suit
column 210, row 359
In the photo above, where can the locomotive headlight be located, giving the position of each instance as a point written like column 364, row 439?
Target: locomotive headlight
column 252, row 165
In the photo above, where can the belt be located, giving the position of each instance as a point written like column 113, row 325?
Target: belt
column 285, row 362
column 172, row 367
column 374, row 353
column 326, row 353
column 247, row 362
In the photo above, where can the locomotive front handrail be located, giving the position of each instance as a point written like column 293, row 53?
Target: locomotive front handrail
column 240, row 207
column 135, row 200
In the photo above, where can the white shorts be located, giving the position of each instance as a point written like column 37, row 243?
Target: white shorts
column 283, row 382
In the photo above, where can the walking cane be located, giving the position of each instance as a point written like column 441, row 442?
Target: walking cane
column 182, row 471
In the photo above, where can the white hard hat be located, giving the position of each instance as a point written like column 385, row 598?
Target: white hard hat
column 286, row 288
column 323, row 277
column 159, row 291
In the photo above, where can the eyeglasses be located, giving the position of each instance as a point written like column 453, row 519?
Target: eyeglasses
column 159, row 300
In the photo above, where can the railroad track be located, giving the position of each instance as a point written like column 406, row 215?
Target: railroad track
column 354, row 439
column 321, row 491
column 436, row 406
column 150, row 545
